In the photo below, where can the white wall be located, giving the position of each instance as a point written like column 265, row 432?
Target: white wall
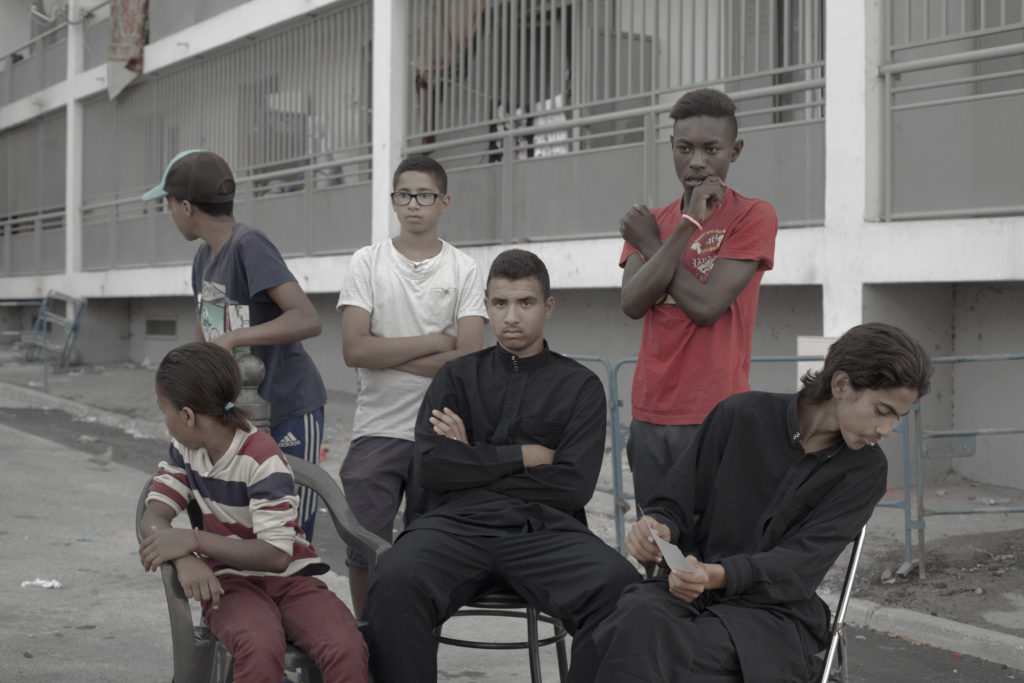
column 143, row 347
column 105, row 332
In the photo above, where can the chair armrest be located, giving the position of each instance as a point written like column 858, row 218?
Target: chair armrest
column 140, row 509
column 355, row 535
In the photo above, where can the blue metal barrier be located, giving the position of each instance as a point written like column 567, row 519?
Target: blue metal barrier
column 935, row 443
column 619, row 497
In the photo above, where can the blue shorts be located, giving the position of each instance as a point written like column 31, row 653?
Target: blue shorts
column 302, row 437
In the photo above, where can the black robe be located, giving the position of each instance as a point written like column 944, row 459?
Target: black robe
column 747, row 496
column 506, row 402
column 492, row 520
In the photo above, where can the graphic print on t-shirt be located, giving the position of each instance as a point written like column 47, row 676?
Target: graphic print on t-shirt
column 219, row 314
column 705, row 252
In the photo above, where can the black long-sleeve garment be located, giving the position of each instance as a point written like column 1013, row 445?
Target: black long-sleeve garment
column 482, row 488
column 746, row 495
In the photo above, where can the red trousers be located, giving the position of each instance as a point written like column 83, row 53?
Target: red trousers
column 258, row 614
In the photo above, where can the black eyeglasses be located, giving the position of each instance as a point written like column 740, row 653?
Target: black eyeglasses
column 422, row 198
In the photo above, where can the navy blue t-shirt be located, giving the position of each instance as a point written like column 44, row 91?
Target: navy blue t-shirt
column 230, row 293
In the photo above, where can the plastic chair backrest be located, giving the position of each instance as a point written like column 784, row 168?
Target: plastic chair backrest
column 192, row 647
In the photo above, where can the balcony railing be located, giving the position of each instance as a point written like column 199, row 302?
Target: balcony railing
column 549, row 115
column 38, row 64
column 305, row 208
column 954, row 97
column 32, row 243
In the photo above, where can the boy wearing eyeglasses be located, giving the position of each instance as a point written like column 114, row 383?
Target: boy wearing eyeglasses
column 409, row 304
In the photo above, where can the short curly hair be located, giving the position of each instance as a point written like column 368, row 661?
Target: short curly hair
column 519, row 264
column 706, row 102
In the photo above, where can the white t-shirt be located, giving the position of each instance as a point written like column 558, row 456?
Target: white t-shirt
column 405, row 299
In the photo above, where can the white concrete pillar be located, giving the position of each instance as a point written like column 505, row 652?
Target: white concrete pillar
column 73, row 145
column 852, row 106
column 390, row 88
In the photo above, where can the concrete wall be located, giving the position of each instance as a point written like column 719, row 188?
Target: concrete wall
column 148, row 348
column 105, row 332
column 971, row 319
column 987, row 320
column 783, row 313
column 924, row 312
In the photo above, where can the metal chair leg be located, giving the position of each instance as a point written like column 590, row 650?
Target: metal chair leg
column 563, row 659
column 532, row 636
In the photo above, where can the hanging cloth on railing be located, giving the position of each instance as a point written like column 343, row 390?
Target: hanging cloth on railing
column 129, row 32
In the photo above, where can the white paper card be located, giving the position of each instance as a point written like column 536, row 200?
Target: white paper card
column 673, row 555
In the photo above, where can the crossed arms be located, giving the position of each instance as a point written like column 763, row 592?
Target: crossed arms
column 457, row 449
column 654, row 271
column 163, row 543
column 421, row 355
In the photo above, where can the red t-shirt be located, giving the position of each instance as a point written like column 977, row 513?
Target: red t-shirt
column 683, row 370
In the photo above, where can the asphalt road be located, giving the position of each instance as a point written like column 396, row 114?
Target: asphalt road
column 141, row 454
column 874, row 657
column 880, row 658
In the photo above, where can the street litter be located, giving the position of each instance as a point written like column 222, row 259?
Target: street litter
column 86, row 438
column 42, row 583
column 104, row 458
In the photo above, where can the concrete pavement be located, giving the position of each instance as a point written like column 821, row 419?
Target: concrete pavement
column 67, row 519
column 71, row 520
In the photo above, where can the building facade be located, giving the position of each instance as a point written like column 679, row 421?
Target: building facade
column 887, row 134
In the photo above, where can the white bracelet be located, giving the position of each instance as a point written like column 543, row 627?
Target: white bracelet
column 693, row 220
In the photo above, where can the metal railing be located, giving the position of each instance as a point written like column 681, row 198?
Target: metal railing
column 32, row 162
column 936, row 443
column 619, row 158
column 953, row 89
column 486, row 61
column 37, row 64
column 308, row 207
column 527, row 102
column 32, row 243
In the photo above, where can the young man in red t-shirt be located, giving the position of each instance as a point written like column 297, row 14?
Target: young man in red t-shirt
column 691, row 270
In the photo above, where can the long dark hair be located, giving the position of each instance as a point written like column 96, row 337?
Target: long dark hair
column 204, row 377
column 875, row 356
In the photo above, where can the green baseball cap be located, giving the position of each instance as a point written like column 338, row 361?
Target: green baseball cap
column 197, row 175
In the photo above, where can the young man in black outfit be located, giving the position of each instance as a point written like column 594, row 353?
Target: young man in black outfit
column 510, row 441
column 762, row 502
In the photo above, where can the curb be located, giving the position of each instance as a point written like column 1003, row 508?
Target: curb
column 992, row 646
column 33, row 398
